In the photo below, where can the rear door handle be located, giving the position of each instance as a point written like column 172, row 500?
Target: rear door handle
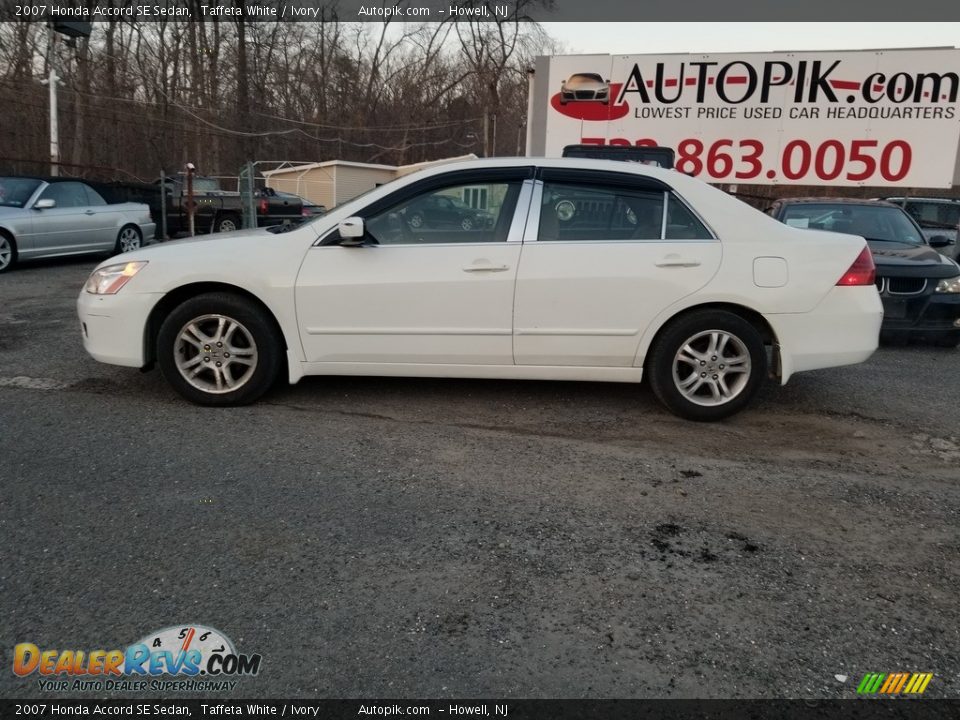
column 677, row 261
column 486, row 268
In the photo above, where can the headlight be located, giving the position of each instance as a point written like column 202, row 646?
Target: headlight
column 108, row 280
column 950, row 285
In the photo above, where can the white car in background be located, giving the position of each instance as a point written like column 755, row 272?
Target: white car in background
column 590, row 270
column 62, row 216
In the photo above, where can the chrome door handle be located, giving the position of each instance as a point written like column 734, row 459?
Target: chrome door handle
column 88, row 212
column 677, row 261
column 486, row 268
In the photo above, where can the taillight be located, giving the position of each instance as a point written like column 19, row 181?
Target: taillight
column 263, row 207
column 305, row 213
column 862, row 272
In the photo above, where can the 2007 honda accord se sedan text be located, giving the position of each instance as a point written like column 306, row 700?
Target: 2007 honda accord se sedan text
column 588, row 270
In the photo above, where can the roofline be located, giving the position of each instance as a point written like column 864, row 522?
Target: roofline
column 327, row 163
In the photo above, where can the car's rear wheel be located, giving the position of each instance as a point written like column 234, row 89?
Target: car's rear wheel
column 219, row 349
column 227, row 223
column 416, row 221
column 8, row 252
column 707, row 365
column 129, row 238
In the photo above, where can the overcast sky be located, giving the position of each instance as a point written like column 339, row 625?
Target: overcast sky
column 637, row 38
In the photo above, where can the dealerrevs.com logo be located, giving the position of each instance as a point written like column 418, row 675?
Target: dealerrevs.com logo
column 182, row 657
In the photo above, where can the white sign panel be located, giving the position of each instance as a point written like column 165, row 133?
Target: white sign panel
column 806, row 118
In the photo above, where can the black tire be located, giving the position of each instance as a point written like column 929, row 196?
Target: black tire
column 8, row 252
column 893, row 338
column 257, row 332
column 129, row 238
column 227, row 222
column 695, row 329
column 947, row 340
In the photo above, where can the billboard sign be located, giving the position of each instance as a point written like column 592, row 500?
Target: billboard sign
column 888, row 118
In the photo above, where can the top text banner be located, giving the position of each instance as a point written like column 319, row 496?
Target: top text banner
column 480, row 10
column 878, row 118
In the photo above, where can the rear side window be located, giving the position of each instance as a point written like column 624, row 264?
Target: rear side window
column 682, row 224
column 93, row 197
column 570, row 211
column 935, row 215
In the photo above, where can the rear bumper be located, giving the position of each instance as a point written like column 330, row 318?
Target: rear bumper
column 113, row 330
column 843, row 329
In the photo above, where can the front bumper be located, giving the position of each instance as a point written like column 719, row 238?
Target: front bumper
column 928, row 313
column 113, row 326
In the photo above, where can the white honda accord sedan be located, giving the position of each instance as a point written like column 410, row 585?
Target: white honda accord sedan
column 589, row 270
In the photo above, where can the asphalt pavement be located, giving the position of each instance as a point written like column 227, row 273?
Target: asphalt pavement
column 375, row 537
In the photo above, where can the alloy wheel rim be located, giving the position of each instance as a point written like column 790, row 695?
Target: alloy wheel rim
column 215, row 354
column 711, row 368
column 129, row 240
column 227, row 226
column 6, row 252
column 416, row 221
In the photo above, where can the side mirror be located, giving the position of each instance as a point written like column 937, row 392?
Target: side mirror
column 45, row 204
column 939, row 241
column 351, row 231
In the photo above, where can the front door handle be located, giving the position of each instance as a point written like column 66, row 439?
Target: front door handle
column 486, row 267
column 674, row 260
column 88, row 212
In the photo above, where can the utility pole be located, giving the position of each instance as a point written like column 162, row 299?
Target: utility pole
column 72, row 29
column 51, row 82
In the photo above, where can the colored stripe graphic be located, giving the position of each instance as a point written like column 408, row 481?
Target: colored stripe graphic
column 894, row 683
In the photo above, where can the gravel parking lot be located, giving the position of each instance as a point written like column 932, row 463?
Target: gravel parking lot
column 425, row 538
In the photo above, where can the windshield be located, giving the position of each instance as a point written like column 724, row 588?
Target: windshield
column 873, row 222
column 15, row 192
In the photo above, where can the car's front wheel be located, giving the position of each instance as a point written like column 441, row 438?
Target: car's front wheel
column 707, row 365
column 219, row 349
column 467, row 223
column 8, row 252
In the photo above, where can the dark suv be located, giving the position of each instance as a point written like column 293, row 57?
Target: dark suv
column 939, row 218
column 919, row 287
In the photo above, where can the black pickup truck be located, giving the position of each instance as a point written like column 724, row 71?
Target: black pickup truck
column 217, row 210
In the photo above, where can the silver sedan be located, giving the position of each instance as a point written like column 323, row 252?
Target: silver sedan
column 40, row 218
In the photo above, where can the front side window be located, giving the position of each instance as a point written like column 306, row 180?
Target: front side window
column 570, row 211
column 442, row 216
column 66, row 194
